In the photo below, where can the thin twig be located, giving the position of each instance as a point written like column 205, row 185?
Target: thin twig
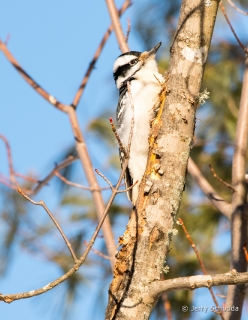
column 219, row 179
column 245, row 252
column 42, row 204
column 230, row 25
column 4, row 180
column 105, row 179
column 10, row 161
column 219, row 203
column 236, row 8
column 98, row 252
column 167, row 306
column 7, row 40
column 57, row 168
column 121, row 147
column 24, row 177
column 82, row 86
column 117, row 25
column 77, row 185
column 31, row 81
column 128, row 29
column 201, row 264
column 129, row 188
column 114, row 187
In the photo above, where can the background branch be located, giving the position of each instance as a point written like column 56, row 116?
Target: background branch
column 80, row 91
column 235, row 294
column 208, row 190
column 236, row 8
column 120, row 37
column 42, row 204
column 230, row 25
column 31, row 81
column 194, row 282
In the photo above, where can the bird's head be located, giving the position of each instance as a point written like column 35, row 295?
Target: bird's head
column 130, row 64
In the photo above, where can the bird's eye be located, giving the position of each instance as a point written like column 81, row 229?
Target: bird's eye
column 133, row 62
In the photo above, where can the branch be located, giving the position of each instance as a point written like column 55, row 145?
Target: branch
column 230, row 25
column 240, row 145
column 201, row 263
column 128, row 29
column 120, row 37
column 31, row 81
column 82, row 151
column 121, row 147
column 98, row 252
column 42, row 204
column 219, row 179
column 10, row 162
column 77, row 185
column 235, row 295
column 8, row 298
column 113, row 187
column 57, row 167
column 219, row 203
column 194, row 282
column 90, row 175
column 80, row 91
column 236, row 8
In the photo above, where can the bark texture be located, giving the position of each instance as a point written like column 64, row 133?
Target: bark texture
column 146, row 241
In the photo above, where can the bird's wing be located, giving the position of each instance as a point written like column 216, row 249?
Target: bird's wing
column 120, row 114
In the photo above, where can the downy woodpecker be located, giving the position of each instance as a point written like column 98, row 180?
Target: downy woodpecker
column 140, row 70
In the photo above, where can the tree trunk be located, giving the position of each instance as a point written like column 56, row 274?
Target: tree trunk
column 146, row 241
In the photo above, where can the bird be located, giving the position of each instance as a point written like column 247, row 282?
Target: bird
column 140, row 70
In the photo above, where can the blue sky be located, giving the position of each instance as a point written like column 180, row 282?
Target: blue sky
column 54, row 42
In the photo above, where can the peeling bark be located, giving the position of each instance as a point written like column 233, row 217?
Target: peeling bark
column 147, row 238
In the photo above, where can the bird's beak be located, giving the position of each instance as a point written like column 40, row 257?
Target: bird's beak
column 154, row 50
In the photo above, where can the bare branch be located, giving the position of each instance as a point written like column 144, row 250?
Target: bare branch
column 121, row 147
column 42, row 204
column 156, row 288
column 201, row 264
column 128, row 29
column 105, row 179
column 24, row 177
column 235, row 295
column 230, row 25
column 117, row 25
column 31, row 81
column 98, row 252
column 90, row 175
column 236, row 8
column 240, row 145
column 129, row 188
column 219, row 179
column 200, row 281
column 57, row 168
column 80, row 91
column 77, row 185
column 4, row 180
column 219, row 203
column 245, row 252
column 10, row 161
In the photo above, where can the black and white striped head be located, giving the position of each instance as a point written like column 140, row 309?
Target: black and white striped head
column 133, row 64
